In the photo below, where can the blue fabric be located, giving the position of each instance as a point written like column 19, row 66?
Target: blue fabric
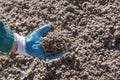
column 32, row 44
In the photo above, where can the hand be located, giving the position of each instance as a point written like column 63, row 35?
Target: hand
column 32, row 44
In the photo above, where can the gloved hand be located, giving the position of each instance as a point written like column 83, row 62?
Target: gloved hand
column 29, row 45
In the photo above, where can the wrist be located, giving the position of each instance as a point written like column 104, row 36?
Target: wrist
column 14, row 46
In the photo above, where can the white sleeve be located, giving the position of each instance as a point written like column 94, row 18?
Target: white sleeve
column 21, row 44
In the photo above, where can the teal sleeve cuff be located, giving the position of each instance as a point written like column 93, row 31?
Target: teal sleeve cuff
column 6, row 38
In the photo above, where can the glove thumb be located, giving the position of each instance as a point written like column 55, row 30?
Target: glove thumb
column 40, row 31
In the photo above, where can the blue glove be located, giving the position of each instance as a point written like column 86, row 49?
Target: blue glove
column 31, row 44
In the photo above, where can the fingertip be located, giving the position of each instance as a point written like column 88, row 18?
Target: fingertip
column 41, row 30
column 47, row 26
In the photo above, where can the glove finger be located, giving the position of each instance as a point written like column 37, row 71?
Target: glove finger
column 50, row 57
column 40, row 31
